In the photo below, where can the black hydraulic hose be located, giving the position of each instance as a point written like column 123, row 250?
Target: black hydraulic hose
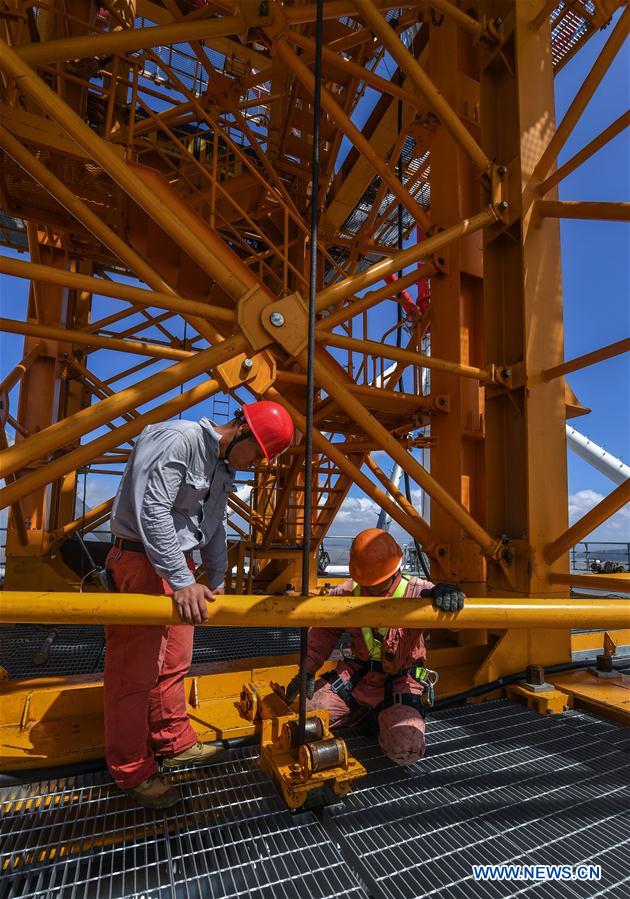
column 482, row 689
column 310, row 374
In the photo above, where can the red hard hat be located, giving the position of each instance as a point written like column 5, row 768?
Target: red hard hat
column 271, row 425
column 374, row 557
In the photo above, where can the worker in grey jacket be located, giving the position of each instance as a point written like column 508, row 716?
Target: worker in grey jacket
column 171, row 500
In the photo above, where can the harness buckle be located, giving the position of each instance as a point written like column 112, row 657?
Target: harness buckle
column 338, row 684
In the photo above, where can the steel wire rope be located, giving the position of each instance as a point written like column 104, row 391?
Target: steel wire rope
column 400, row 319
column 310, row 369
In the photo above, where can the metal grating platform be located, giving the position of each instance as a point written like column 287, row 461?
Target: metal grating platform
column 81, row 649
column 499, row 784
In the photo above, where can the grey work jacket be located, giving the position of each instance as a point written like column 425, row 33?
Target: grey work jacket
column 173, row 496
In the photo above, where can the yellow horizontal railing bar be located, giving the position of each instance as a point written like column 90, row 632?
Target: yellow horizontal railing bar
column 25, row 607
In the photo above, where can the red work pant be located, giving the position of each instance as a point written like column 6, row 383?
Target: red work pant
column 400, row 727
column 145, row 705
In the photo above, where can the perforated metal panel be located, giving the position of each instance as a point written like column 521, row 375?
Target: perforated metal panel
column 81, row 650
column 499, row 784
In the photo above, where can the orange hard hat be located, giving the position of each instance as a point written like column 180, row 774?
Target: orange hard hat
column 374, row 557
column 271, row 426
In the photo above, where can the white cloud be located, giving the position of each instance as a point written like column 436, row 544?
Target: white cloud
column 244, row 492
column 617, row 528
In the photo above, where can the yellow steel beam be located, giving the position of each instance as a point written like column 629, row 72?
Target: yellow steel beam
column 145, row 187
column 387, row 351
column 584, row 95
column 587, row 523
column 575, row 209
column 614, row 583
column 63, row 432
column 73, row 460
column 86, row 521
column 130, row 39
column 606, row 352
column 410, row 65
column 86, row 338
column 23, row 607
column 341, row 290
column 592, row 147
column 76, row 281
column 325, row 377
column 334, row 110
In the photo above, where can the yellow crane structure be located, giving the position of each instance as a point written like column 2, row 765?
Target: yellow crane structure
column 157, row 155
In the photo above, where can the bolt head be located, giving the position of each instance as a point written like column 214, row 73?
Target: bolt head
column 248, row 363
column 503, row 205
column 276, row 319
column 502, row 170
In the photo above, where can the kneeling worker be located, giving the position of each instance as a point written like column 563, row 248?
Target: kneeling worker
column 171, row 500
column 387, row 676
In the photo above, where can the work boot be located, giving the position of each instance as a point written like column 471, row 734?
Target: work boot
column 154, row 793
column 198, row 754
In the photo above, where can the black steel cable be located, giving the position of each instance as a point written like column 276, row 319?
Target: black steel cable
column 400, row 385
column 310, row 378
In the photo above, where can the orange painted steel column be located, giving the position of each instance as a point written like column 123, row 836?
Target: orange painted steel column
column 598, row 515
column 88, row 451
column 63, row 432
column 526, row 456
column 327, row 611
column 457, row 459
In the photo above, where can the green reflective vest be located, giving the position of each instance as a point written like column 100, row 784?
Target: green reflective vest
column 374, row 639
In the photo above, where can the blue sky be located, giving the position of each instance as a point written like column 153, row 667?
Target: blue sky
column 596, row 283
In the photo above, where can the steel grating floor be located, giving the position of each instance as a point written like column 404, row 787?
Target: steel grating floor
column 498, row 784
column 81, row 649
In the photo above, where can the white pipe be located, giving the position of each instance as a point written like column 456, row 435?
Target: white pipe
column 595, row 455
column 385, row 520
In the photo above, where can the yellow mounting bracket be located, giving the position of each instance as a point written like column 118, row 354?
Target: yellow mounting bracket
column 286, row 321
column 320, row 770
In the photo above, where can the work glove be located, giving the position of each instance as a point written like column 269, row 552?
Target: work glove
column 293, row 689
column 446, row 597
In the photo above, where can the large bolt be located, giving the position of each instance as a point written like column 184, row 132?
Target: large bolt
column 248, row 363
column 276, row 319
column 535, row 675
column 604, row 663
column 502, row 170
column 502, row 206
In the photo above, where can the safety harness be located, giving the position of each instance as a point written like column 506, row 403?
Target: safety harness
column 373, row 640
